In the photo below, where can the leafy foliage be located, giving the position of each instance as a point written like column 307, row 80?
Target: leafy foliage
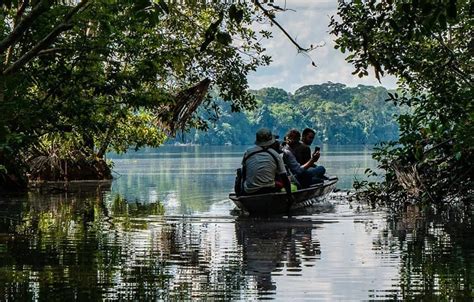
column 428, row 46
column 114, row 76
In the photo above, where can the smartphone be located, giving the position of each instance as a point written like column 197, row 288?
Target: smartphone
column 317, row 148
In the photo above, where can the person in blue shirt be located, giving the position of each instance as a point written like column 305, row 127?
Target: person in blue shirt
column 308, row 173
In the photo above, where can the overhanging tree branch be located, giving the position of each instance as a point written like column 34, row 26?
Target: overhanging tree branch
column 453, row 63
column 45, row 42
column 267, row 13
column 19, row 14
column 271, row 16
column 24, row 24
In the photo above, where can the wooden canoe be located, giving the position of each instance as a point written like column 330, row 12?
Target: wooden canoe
column 277, row 203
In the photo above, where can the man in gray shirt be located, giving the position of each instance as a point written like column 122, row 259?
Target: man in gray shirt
column 262, row 164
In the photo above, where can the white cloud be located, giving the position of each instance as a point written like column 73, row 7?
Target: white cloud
column 290, row 70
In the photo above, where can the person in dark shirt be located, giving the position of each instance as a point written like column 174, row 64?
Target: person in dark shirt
column 302, row 150
column 308, row 173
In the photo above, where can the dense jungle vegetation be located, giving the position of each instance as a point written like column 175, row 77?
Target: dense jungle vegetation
column 80, row 78
column 339, row 114
column 428, row 46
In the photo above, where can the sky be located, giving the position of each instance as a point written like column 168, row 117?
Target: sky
column 307, row 24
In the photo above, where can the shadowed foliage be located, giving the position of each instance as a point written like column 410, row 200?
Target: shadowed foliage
column 108, row 75
column 428, row 45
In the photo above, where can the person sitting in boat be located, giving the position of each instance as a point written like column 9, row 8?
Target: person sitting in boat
column 307, row 174
column 302, row 150
column 262, row 164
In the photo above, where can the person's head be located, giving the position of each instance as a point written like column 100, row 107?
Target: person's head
column 308, row 136
column 277, row 146
column 293, row 137
column 264, row 138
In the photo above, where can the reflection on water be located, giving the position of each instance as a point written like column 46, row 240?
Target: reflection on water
column 436, row 256
column 276, row 247
column 194, row 179
column 148, row 238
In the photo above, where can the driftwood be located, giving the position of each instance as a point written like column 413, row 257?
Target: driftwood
column 175, row 116
column 409, row 178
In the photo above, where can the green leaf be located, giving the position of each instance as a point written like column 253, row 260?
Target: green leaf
column 458, row 155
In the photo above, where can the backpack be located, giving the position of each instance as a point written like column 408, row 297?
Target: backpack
column 240, row 172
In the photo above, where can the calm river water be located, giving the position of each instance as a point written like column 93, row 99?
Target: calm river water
column 165, row 230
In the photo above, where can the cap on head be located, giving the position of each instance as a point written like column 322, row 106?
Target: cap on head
column 264, row 137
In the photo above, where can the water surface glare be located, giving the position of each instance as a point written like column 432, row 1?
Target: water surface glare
column 165, row 230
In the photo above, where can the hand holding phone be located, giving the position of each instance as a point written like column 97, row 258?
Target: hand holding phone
column 316, row 154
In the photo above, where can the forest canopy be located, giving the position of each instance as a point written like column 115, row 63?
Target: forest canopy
column 339, row 114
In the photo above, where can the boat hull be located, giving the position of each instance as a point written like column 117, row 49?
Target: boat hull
column 277, row 203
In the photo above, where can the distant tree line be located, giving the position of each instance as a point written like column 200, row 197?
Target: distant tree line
column 339, row 114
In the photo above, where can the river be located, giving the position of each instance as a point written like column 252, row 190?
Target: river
column 164, row 229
